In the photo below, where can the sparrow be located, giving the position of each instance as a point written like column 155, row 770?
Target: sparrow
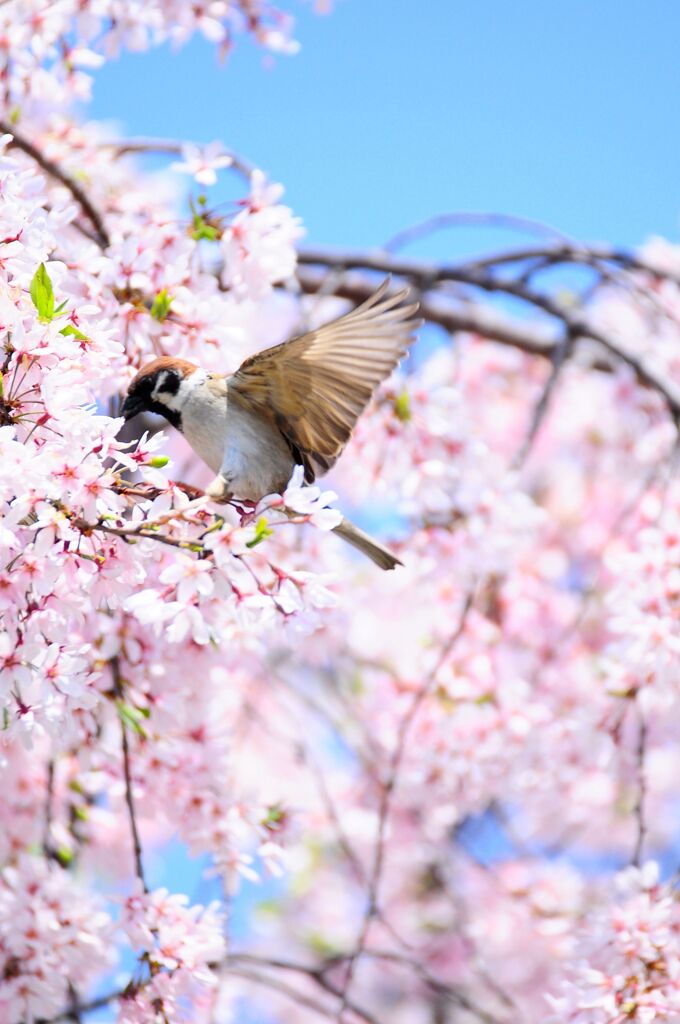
column 292, row 404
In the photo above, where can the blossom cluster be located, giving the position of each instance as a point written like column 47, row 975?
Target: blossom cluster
column 51, row 933
column 628, row 968
column 442, row 768
column 178, row 945
column 47, row 49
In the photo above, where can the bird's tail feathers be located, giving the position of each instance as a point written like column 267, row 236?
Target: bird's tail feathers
column 382, row 556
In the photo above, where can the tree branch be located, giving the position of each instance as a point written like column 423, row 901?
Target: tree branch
column 464, row 218
column 639, row 809
column 49, row 811
column 173, row 147
column 588, row 255
column 468, row 318
column 20, row 141
column 426, row 275
column 559, row 360
column 388, row 788
column 129, row 800
column 313, row 974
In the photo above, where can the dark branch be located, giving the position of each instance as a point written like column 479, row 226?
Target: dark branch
column 20, row 141
column 127, row 772
column 387, row 792
column 588, row 255
column 469, row 318
column 173, row 147
column 559, row 360
column 426, row 275
column 639, row 809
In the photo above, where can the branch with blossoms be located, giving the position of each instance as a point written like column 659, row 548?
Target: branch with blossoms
column 480, row 275
column 608, row 264
column 387, row 789
column 387, row 747
column 180, row 604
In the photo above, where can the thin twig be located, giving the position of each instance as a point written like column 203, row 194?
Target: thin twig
column 319, row 977
column 589, row 255
column 49, row 809
column 465, row 218
column 129, row 799
column 639, row 809
column 173, row 147
column 559, row 360
column 389, row 786
column 20, row 141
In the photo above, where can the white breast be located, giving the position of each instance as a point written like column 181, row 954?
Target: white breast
column 204, row 423
column 257, row 460
column 253, row 458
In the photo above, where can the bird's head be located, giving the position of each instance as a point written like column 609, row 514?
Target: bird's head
column 162, row 386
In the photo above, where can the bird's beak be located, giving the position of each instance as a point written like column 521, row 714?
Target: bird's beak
column 131, row 406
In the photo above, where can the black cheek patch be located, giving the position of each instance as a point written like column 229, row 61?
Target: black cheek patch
column 171, row 383
column 173, row 416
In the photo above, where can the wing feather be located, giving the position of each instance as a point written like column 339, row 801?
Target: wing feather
column 314, row 387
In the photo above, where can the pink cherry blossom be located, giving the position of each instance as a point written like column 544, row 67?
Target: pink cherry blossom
column 445, row 791
column 50, row 932
column 202, row 164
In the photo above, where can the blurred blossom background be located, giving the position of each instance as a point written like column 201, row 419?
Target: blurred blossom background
column 392, row 113
column 512, row 691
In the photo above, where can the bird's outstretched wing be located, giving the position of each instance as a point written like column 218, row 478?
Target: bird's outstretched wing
column 313, row 388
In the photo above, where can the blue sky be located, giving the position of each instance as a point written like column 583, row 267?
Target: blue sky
column 394, row 111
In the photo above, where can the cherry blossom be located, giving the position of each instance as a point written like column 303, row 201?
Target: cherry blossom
column 202, row 165
column 50, row 933
column 447, row 790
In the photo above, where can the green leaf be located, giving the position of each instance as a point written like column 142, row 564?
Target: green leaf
column 158, row 461
column 70, row 329
column 274, row 817
column 160, row 306
column 356, row 684
column 201, row 229
column 262, row 531
column 64, row 856
column 321, row 945
column 42, row 294
column 188, row 545
column 60, row 307
column 402, row 407
column 131, row 717
column 217, row 525
column 269, row 908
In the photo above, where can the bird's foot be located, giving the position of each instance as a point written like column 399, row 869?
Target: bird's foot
column 218, row 490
